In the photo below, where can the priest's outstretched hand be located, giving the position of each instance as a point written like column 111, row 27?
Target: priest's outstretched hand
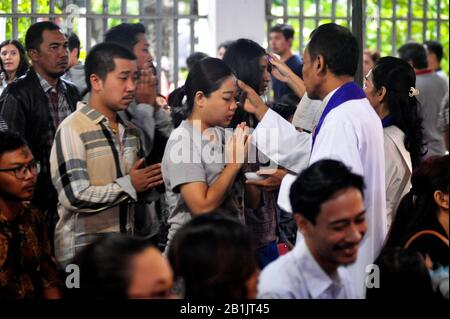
column 253, row 103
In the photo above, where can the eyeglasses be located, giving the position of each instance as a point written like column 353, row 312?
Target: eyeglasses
column 21, row 171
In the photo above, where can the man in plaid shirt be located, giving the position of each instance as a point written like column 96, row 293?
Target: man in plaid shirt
column 94, row 161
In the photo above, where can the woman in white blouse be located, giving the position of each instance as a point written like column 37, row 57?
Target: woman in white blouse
column 390, row 88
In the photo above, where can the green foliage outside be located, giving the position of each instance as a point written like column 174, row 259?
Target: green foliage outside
column 310, row 10
column 325, row 9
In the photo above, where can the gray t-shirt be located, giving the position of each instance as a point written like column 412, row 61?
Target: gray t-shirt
column 191, row 157
column 432, row 90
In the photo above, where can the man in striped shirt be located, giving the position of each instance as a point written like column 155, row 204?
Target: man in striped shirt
column 94, row 161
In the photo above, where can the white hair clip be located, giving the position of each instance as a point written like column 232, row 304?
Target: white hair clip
column 413, row 92
column 184, row 100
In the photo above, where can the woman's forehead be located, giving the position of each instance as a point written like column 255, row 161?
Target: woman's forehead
column 229, row 84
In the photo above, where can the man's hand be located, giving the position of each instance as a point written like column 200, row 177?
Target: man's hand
column 280, row 70
column 146, row 88
column 273, row 180
column 253, row 102
column 283, row 73
column 145, row 178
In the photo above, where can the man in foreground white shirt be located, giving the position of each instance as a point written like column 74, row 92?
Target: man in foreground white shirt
column 329, row 210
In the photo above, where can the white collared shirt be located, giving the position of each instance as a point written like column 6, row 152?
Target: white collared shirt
column 297, row 275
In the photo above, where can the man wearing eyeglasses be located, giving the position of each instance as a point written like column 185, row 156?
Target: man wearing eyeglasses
column 27, row 267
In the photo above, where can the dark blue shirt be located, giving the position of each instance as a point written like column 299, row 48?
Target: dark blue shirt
column 295, row 63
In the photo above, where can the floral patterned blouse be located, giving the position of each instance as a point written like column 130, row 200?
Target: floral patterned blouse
column 27, row 265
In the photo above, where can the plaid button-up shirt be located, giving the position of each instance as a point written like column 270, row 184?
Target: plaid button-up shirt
column 59, row 109
column 89, row 168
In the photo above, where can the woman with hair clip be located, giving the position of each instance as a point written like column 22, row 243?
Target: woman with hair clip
column 13, row 62
column 389, row 86
column 197, row 177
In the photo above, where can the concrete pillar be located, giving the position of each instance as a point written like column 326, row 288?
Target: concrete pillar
column 234, row 19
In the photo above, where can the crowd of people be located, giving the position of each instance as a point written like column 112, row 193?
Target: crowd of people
column 268, row 174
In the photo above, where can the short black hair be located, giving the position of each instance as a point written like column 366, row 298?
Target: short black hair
column 10, row 141
column 338, row 46
column 194, row 58
column 224, row 45
column 318, row 184
column 33, row 38
column 286, row 106
column 74, row 43
column 415, row 53
column 105, row 266
column 100, row 60
column 286, row 29
column 125, row 34
column 215, row 256
column 436, row 48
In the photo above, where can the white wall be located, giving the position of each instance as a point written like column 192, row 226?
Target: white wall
column 233, row 19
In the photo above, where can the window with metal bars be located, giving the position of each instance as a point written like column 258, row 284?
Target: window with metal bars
column 387, row 24
column 172, row 25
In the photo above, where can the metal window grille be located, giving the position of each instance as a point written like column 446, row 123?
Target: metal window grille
column 379, row 14
column 165, row 21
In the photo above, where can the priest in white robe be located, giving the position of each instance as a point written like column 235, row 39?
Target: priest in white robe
column 349, row 131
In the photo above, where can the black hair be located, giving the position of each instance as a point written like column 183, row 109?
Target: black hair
column 100, row 60
column 286, row 106
column 397, row 76
column 214, row 255
column 207, row 76
column 125, row 34
column 286, row 29
column 23, row 63
column 105, row 266
column 74, row 43
column 338, row 46
column 10, row 141
column 436, row 48
column 33, row 38
column 177, row 113
column 415, row 53
column 402, row 273
column 319, row 183
column 418, row 208
column 243, row 56
column 194, row 58
column 224, row 45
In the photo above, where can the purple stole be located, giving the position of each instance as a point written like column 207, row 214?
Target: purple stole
column 349, row 91
column 387, row 121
